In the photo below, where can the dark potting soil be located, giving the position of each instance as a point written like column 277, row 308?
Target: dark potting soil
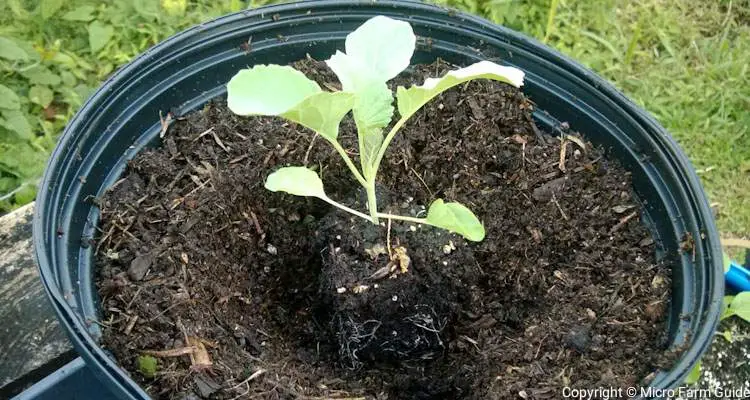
column 239, row 292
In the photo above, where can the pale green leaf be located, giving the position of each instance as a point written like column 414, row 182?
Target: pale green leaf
column 50, row 7
column 322, row 112
column 383, row 46
column 41, row 75
column 455, row 217
column 727, row 262
column 268, row 90
column 373, row 110
column 99, row 35
column 82, row 13
column 147, row 365
column 726, row 311
column 9, row 50
column 15, row 121
column 299, row 181
column 283, row 91
column 741, row 306
column 727, row 334
column 9, row 99
column 694, row 375
column 41, row 95
column 412, row 99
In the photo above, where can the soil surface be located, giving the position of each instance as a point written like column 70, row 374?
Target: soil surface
column 239, row 292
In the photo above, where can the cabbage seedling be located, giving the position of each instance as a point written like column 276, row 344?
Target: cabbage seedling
column 376, row 52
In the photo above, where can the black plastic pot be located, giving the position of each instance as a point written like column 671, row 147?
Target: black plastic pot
column 192, row 67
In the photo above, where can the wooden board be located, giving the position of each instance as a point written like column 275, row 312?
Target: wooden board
column 30, row 336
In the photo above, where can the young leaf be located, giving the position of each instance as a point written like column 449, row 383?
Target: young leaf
column 694, row 375
column 455, row 217
column 726, row 310
column 299, row 181
column 412, row 99
column 277, row 90
column 377, row 51
column 741, row 306
column 147, row 366
column 373, row 110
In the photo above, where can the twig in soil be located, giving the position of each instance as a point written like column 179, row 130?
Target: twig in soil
column 181, row 351
column 432, row 195
column 131, row 324
column 135, row 296
column 105, row 238
column 165, row 122
column 164, row 311
column 219, row 142
column 554, row 200
column 309, row 149
column 179, row 201
column 256, row 223
column 563, row 150
column 254, row 375
column 472, row 341
column 624, row 220
column 204, row 133
column 388, row 240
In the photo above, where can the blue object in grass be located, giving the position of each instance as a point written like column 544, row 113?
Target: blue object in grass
column 738, row 277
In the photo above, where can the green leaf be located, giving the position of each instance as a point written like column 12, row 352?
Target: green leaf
column 727, row 335
column 373, row 110
column 16, row 121
column 41, row 75
column 25, row 195
column 50, row 7
column 741, row 306
column 412, row 99
column 147, row 366
column 174, row 7
column 378, row 51
column 727, row 262
column 694, row 375
column 99, row 35
column 726, row 311
column 455, row 217
column 9, row 99
column 268, row 90
column 82, row 13
column 276, row 90
column 9, row 50
column 41, row 95
column 299, row 181
column 322, row 112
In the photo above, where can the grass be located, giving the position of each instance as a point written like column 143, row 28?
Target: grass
column 684, row 61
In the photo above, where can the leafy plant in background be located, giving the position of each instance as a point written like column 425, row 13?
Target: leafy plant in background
column 376, row 52
column 53, row 53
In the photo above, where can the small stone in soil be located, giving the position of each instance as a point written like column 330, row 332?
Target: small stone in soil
column 139, row 266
